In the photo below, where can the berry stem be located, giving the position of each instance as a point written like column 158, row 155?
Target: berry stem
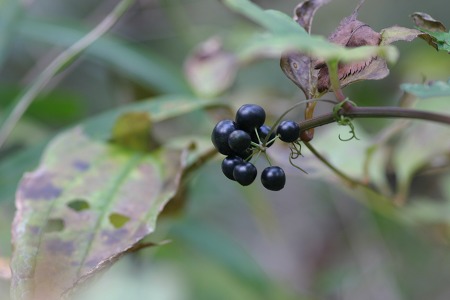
column 268, row 159
column 375, row 112
column 273, row 140
column 257, row 135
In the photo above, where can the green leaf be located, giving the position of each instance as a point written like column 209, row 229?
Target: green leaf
column 270, row 45
column 90, row 201
column 29, row 132
column 10, row 11
column 133, row 130
column 17, row 108
column 99, row 127
column 12, row 168
column 349, row 157
column 428, row 90
column 426, row 212
column 429, row 211
column 272, row 20
column 57, row 247
column 144, row 66
column 244, row 278
column 421, row 144
column 440, row 40
column 410, row 155
column 159, row 109
column 57, row 107
column 285, row 35
column 434, row 32
column 217, row 245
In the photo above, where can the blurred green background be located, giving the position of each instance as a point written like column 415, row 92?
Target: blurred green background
column 311, row 241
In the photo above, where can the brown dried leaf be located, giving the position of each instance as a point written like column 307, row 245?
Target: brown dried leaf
column 432, row 31
column 305, row 11
column 297, row 66
column 427, row 22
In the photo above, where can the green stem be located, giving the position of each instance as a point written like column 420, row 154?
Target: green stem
column 334, row 80
column 267, row 158
column 375, row 112
column 16, row 109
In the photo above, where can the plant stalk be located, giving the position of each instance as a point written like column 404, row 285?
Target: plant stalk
column 375, row 112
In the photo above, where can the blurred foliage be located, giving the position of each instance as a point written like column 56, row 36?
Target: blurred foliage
column 312, row 240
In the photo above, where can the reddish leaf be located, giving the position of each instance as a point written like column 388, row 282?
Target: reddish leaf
column 353, row 33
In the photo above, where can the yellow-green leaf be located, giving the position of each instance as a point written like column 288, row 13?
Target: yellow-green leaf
column 56, row 246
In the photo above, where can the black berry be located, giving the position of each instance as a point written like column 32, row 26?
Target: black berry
column 250, row 116
column 239, row 141
column 220, row 135
column 228, row 165
column 263, row 131
column 288, row 131
column 245, row 173
column 273, row 178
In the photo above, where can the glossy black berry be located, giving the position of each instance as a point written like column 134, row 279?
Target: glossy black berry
column 273, row 178
column 228, row 165
column 288, row 131
column 239, row 141
column 250, row 116
column 245, row 173
column 263, row 131
column 220, row 135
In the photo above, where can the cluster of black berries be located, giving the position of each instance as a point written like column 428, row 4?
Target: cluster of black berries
column 239, row 140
